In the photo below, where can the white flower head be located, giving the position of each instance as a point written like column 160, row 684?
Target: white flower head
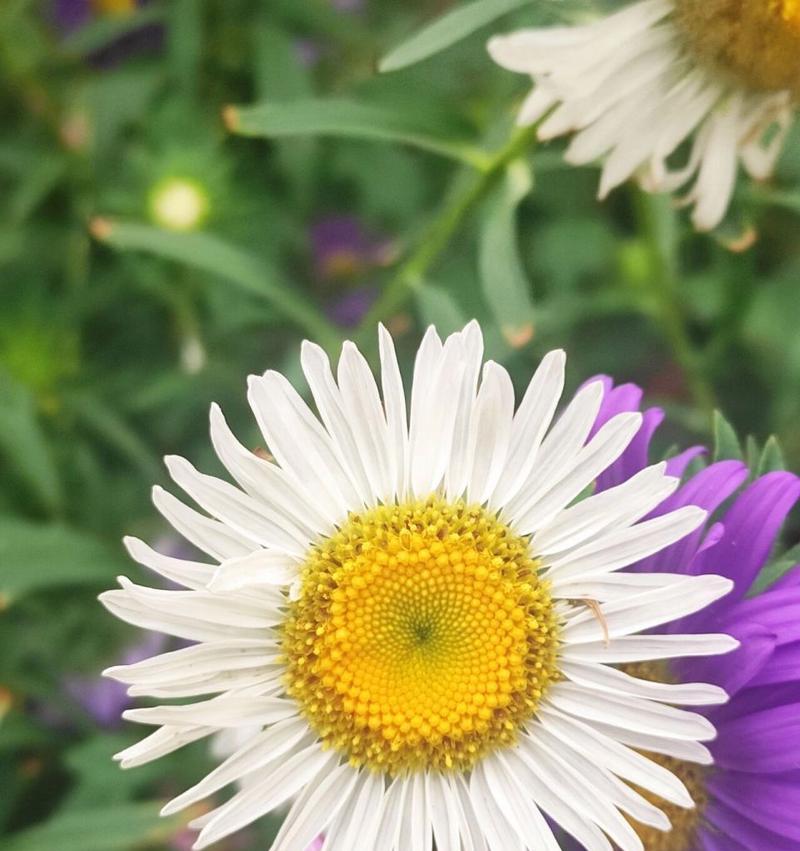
column 394, row 627
column 633, row 87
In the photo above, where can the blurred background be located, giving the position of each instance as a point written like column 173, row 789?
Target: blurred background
column 158, row 244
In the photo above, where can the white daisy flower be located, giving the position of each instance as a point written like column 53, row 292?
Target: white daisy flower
column 416, row 618
column 633, row 87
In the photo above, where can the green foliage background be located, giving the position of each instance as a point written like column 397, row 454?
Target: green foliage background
column 116, row 333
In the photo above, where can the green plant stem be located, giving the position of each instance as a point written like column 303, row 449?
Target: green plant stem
column 661, row 240
column 411, row 274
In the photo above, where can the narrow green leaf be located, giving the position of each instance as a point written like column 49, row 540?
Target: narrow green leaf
column 505, row 284
column 111, row 428
column 438, row 307
column 772, row 457
column 212, row 254
column 109, row 828
column 38, row 555
column 726, row 443
column 776, row 569
column 446, row 31
column 346, row 118
column 185, row 41
column 23, row 445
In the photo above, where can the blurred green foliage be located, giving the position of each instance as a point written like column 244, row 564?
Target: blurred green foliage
column 125, row 312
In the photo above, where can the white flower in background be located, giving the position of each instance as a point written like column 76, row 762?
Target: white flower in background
column 633, row 87
column 399, row 607
column 180, row 204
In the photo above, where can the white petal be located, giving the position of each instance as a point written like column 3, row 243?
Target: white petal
column 644, row 611
column 640, row 716
column 257, row 754
column 604, row 448
column 236, row 510
column 530, row 425
column 265, row 481
column 643, row 648
column 616, row 757
column 490, row 432
column 394, row 402
column 622, row 505
column 614, row 681
column 269, row 568
column 229, row 710
column 392, row 816
column 622, row 547
column 211, row 536
column 190, row 574
column 307, row 767
column 314, row 809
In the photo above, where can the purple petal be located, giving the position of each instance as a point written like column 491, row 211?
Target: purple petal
column 677, row 465
column 765, row 742
column 710, row 840
column 732, row 824
column 751, row 528
column 783, row 666
column 752, row 701
column 771, row 802
column 708, row 489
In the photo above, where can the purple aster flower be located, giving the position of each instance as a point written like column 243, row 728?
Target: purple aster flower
column 103, row 699
column 343, row 249
column 349, row 309
column 746, row 783
column 71, row 15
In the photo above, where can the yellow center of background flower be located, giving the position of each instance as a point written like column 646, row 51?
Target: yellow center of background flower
column 757, row 42
column 422, row 637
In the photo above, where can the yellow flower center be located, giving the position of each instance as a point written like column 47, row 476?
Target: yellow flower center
column 422, row 637
column 756, row 42
column 683, row 836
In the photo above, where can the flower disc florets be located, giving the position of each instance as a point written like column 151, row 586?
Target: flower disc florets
column 422, row 637
column 755, row 41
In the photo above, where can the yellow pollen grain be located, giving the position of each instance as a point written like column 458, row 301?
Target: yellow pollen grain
column 756, row 43
column 422, row 637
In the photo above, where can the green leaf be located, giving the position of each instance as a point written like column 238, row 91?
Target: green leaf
column 112, row 429
column 771, row 458
column 446, row 31
column 726, row 443
column 109, row 828
column 776, row 570
column 346, row 118
column 438, row 307
column 505, row 284
column 212, row 254
column 23, row 445
column 38, row 555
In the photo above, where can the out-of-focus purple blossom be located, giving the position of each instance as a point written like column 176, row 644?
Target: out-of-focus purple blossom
column 71, row 15
column 104, row 699
column 349, row 6
column 348, row 310
column 317, row 844
column 308, row 51
column 343, row 249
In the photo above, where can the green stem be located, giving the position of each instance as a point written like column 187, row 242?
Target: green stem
column 659, row 234
column 411, row 274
